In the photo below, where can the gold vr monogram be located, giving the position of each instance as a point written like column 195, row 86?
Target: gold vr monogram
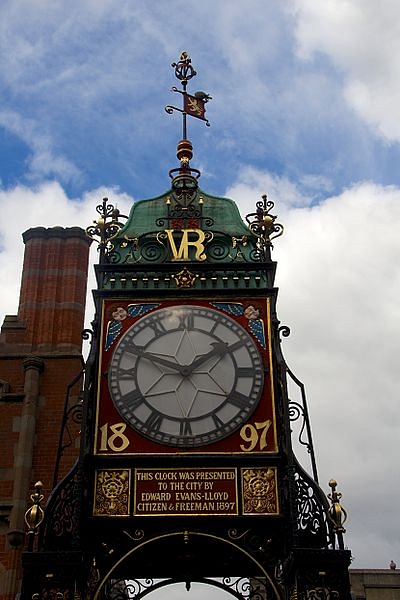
column 188, row 238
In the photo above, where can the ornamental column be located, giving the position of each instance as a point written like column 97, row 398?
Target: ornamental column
column 33, row 366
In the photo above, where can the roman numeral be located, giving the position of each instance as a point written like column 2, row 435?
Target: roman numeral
column 157, row 326
column 238, row 399
column 186, row 321
column 185, row 428
column 217, row 421
column 245, row 372
column 236, row 346
column 121, row 373
column 133, row 399
column 154, row 421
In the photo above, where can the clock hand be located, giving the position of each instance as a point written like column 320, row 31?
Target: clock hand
column 156, row 359
column 219, row 349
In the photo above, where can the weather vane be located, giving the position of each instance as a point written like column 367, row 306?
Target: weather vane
column 192, row 105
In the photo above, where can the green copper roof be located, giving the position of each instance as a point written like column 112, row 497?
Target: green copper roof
column 145, row 214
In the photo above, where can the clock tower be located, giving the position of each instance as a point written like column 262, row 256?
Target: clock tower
column 186, row 470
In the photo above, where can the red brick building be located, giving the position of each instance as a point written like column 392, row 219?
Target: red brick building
column 40, row 359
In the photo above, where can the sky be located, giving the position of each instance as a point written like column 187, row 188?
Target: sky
column 306, row 108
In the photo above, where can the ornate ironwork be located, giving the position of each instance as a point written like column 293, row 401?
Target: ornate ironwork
column 262, row 224
column 60, row 526
column 311, row 505
column 317, row 584
column 184, row 211
column 106, row 227
column 87, row 334
column 72, row 415
column 192, row 105
column 137, row 535
column 322, row 593
column 93, row 579
column 183, row 69
column 284, row 331
column 242, row 588
column 300, row 410
column 255, row 544
column 52, row 594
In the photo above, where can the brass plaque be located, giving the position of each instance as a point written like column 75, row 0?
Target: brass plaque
column 259, row 491
column 112, row 492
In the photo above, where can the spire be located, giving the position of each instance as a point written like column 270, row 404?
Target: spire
column 192, row 105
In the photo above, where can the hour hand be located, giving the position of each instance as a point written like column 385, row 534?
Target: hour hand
column 218, row 349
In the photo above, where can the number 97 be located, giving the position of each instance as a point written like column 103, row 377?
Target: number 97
column 255, row 434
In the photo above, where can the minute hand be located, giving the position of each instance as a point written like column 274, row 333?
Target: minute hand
column 156, row 359
column 219, row 349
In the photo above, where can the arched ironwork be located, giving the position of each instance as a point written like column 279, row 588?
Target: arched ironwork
column 257, row 587
column 241, row 588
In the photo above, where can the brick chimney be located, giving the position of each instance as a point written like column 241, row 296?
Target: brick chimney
column 53, row 291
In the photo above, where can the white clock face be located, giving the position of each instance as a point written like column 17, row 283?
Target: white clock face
column 186, row 376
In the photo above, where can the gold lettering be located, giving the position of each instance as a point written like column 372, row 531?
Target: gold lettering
column 182, row 253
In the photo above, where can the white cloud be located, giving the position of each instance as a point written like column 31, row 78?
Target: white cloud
column 42, row 162
column 339, row 278
column 362, row 38
column 44, row 206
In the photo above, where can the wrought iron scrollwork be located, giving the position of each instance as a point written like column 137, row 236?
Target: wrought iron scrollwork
column 121, row 589
column 60, row 525
column 284, row 331
column 106, row 227
column 325, row 585
column 262, row 224
column 87, row 334
column 254, row 543
column 242, row 588
column 136, row 536
column 297, row 411
column 311, row 505
column 322, row 593
column 73, row 414
column 183, row 68
column 184, row 205
column 192, row 105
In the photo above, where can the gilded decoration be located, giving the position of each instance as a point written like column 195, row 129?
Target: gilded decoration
column 112, row 493
column 185, row 278
column 259, row 488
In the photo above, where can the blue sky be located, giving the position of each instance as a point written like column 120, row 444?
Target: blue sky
column 83, row 91
column 306, row 108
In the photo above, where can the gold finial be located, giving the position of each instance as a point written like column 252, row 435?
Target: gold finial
column 105, row 227
column 262, row 224
column 35, row 514
column 336, row 513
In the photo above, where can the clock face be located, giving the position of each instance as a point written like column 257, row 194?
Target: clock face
column 186, row 376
